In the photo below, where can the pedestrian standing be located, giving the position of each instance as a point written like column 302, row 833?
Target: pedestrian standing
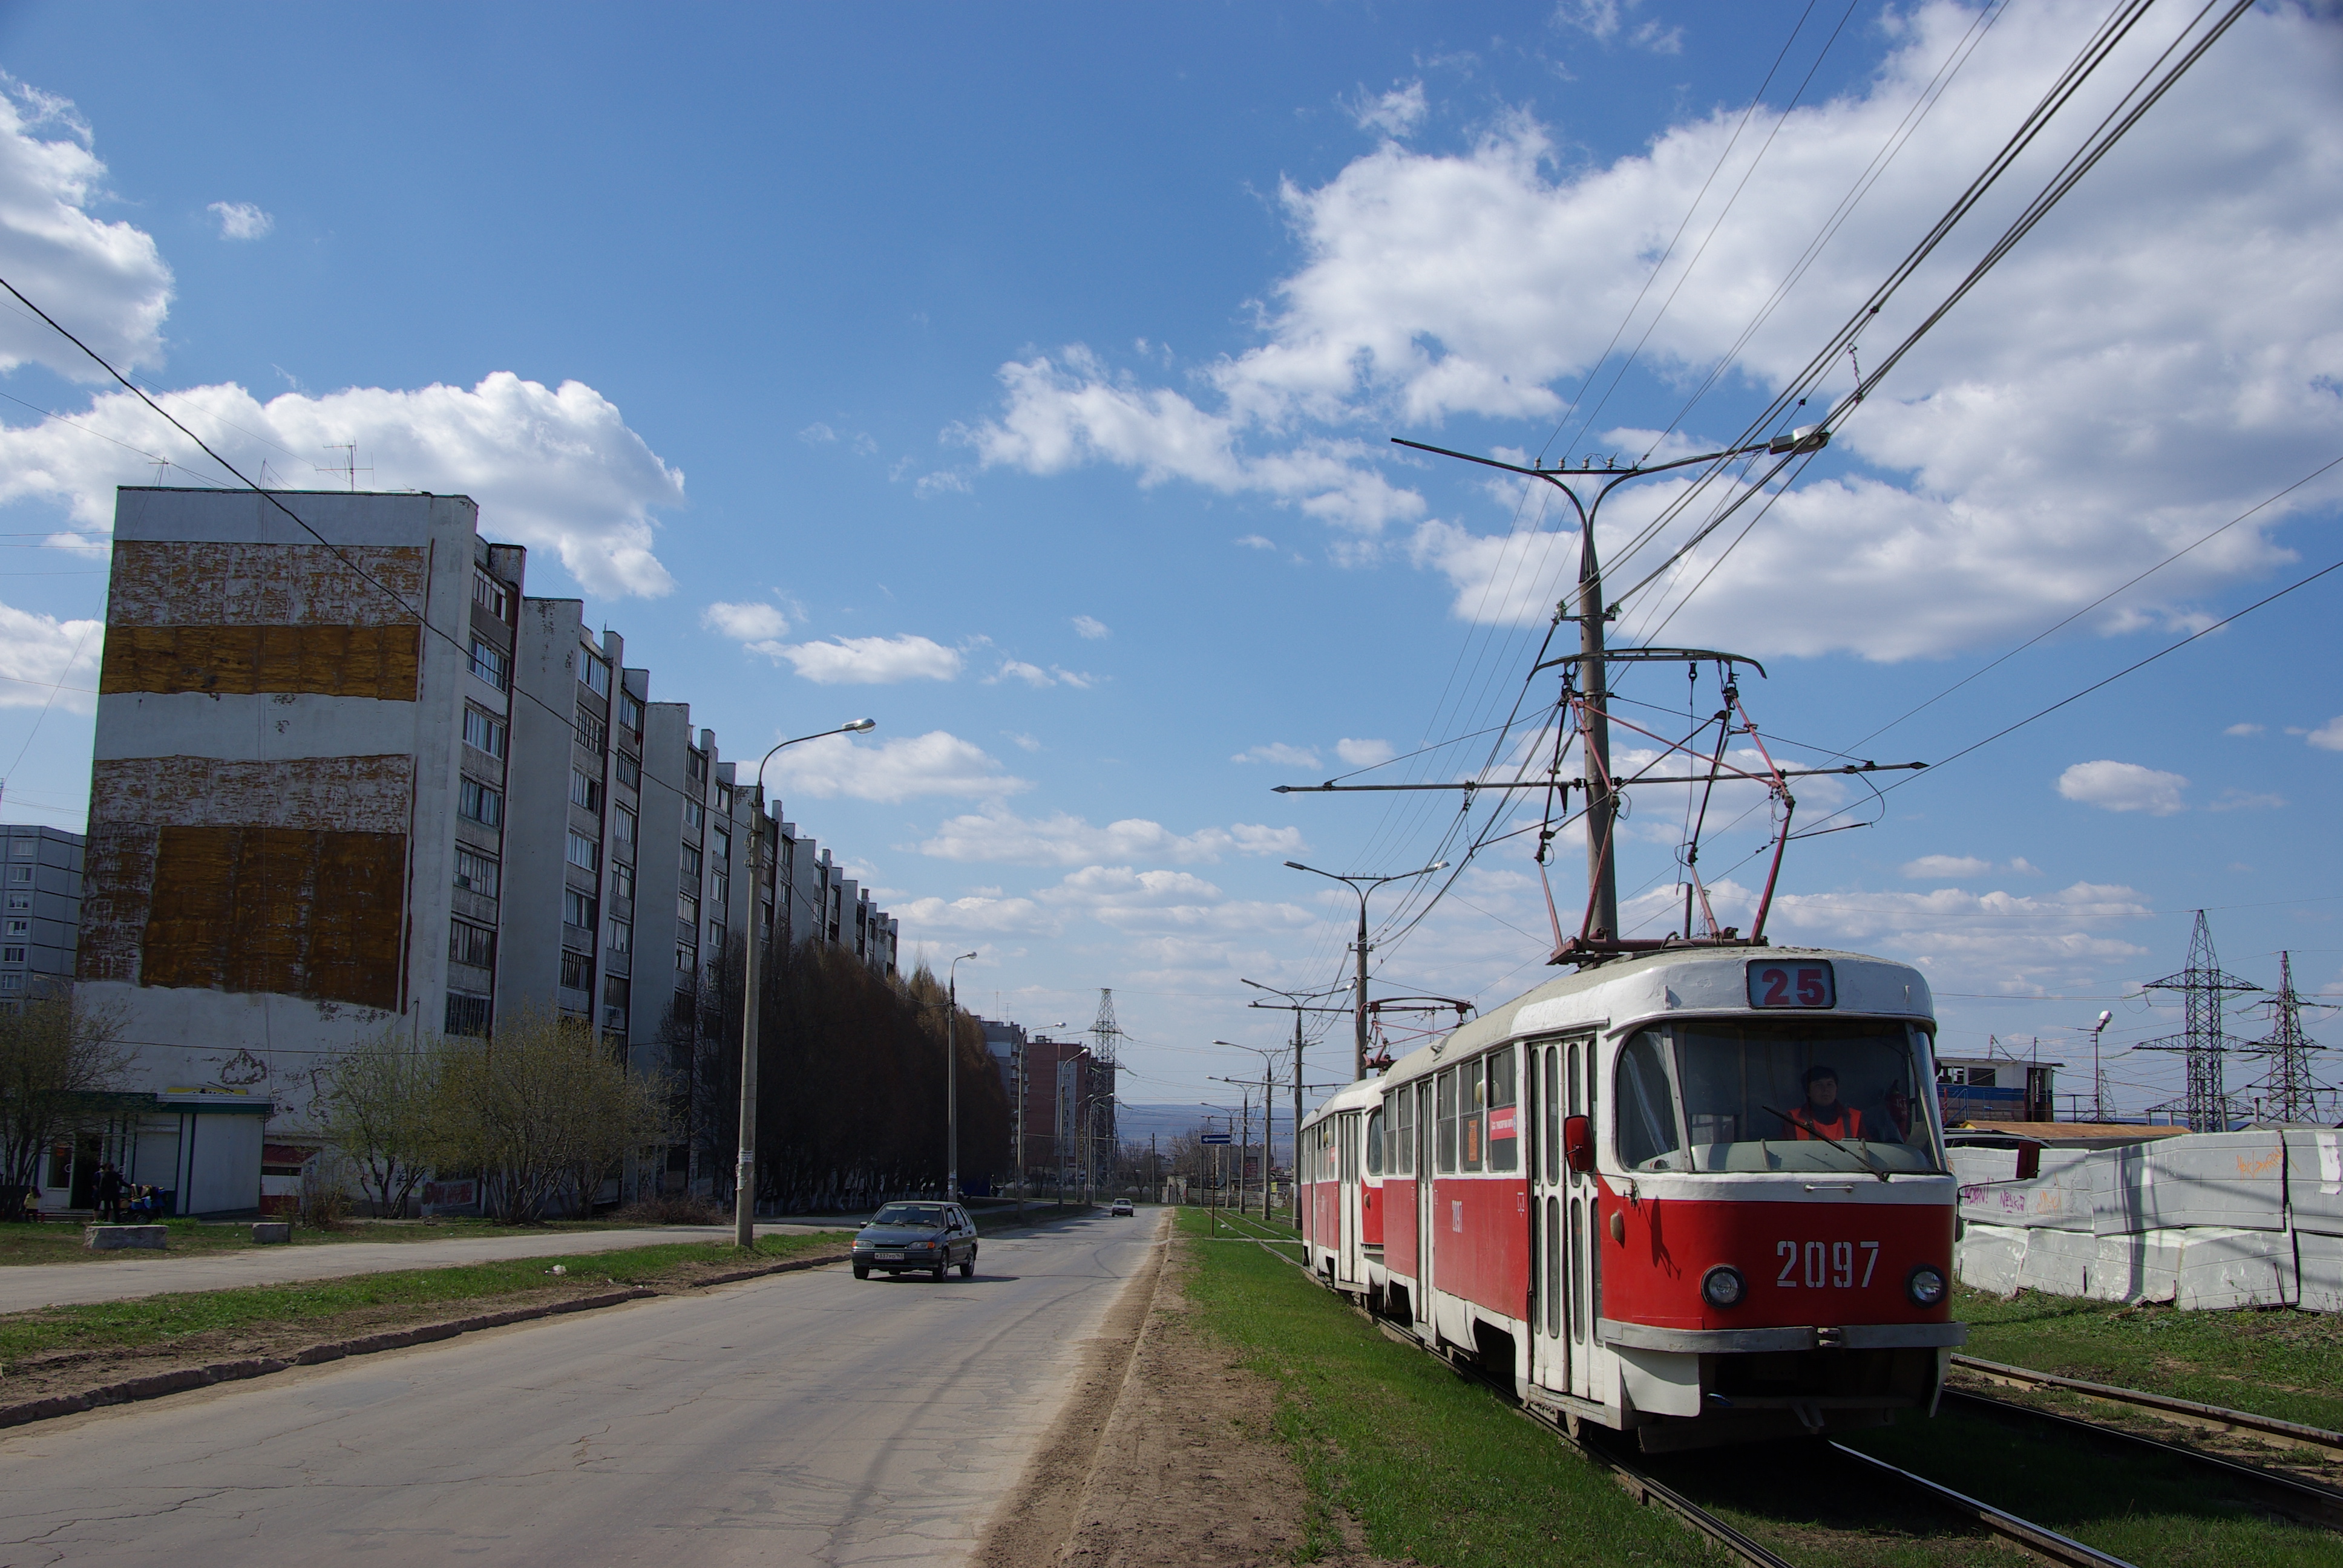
column 109, row 1193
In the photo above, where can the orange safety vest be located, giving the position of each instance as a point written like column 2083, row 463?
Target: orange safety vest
column 1847, row 1124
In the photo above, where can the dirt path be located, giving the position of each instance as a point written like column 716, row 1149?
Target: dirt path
column 1167, row 1455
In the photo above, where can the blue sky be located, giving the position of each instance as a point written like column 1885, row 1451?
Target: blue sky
column 1022, row 377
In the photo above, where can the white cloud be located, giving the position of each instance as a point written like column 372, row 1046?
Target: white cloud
column 2235, row 800
column 241, row 220
column 551, row 469
column 2130, row 378
column 2248, row 729
column 1035, row 676
column 943, row 482
column 2000, row 940
column 1959, row 867
column 871, row 660
column 2327, row 737
column 1394, row 114
column 1279, row 754
column 2124, row 787
column 1256, row 542
column 1168, row 902
column 1602, row 19
column 817, row 435
column 1363, row 753
column 107, row 281
column 40, row 655
column 1089, row 628
column 901, row 769
column 758, row 625
column 1022, row 742
column 982, row 915
column 1061, row 839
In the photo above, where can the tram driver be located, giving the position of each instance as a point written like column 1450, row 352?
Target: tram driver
column 1823, row 1114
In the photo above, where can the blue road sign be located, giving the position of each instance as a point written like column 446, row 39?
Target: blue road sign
column 1217, row 1138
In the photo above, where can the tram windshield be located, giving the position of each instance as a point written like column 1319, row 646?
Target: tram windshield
column 1776, row 1094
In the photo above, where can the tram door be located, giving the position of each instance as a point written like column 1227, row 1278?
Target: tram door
column 1580, row 1253
column 1549, row 1326
column 1427, row 1234
column 1348, row 1265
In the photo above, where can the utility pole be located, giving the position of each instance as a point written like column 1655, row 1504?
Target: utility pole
column 2202, row 1040
column 744, row 1176
column 2098, row 1084
column 1358, row 996
column 1297, row 1007
column 952, row 1079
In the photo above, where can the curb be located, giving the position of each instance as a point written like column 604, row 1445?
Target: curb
column 155, row 1385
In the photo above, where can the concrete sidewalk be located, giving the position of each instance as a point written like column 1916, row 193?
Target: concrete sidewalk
column 31, row 1285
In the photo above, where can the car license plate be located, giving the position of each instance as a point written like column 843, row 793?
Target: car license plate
column 890, row 1257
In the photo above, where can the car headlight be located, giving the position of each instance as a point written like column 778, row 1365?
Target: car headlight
column 1924, row 1285
column 1722, row 1286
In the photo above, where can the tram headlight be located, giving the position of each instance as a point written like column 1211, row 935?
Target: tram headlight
column 1924, row 1285
column 1722, row 1286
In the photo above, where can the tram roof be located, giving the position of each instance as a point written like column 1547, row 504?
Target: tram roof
column 1688, row 979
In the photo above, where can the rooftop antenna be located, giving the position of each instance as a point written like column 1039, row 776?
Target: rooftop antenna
column 348, row 467
column 2202, row 1041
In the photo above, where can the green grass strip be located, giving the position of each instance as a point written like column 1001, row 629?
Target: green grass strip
column 2274, row 1360
column 1431, row 1466
column 150, row 1320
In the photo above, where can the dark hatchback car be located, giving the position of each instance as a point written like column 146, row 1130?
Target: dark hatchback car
column 929, row 1236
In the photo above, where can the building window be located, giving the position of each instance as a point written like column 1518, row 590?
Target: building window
column 631, row 712
column 481, row 804
column 475, row 873
column 20, row 929
column 23, row 848
column 577, row 970
column 483, row 733
column 491, row 664
column 489, row 594
column 592, row 733
column 466, row 1014
column 20, row 873
column 12, row 955
column 719, row 888
column 723, row 845
column 716, row 935
column 595, row 673
column 694, row 815
column 578, row 908
column 630, row 772
column 622, row 825
column 584, row 853
column 695, row 763
column 724, row 799
column 20, row 900
column 687, row 960
column 471, row 944
column 12, row 983
column 687, row 910
column 622, row 937
column 584, row 791
column 622, row 880
column 690, row 864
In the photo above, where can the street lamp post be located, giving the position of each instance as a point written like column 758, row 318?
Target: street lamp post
column 952, row 1080
column 1359, row 1009
column 744, row 1176
column 1268, row 1114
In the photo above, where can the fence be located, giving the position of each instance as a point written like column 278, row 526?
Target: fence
column 2208, row 1220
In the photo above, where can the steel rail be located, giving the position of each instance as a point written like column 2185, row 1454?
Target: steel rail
column 2306, row 1501
column 2181, row 1411
column 2022, row 1532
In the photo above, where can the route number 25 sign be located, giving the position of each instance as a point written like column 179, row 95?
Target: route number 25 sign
column 1784, row 983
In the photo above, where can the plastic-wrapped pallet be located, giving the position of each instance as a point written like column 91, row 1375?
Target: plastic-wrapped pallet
column 2319, row 1259
column 2058, row 1261
column 1990, row 1257
column 2223, row 1266
column 2060, row 1197
column 2314, row 1180
column 1974, row 1167
column 2201, row 1180
column 2143, row 1266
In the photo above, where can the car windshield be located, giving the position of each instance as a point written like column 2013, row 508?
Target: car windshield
column 1805, row 1094
column 918, row 1215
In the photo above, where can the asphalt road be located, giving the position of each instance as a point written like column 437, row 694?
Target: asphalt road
column 25, row 1286
column 805, row 1418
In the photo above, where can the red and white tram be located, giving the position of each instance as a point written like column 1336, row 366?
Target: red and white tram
column 1700, row 1195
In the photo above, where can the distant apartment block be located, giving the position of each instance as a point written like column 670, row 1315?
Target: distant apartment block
column 40, row 871
column 312, row 818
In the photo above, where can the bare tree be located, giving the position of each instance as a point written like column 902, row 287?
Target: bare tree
column 540, row 1107
column 377, row 1102
column 54, row 1058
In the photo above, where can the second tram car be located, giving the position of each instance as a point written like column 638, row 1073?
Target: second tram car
column 1699, row 1195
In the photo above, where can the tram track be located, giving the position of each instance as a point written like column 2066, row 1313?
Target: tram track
column 2165, row 1407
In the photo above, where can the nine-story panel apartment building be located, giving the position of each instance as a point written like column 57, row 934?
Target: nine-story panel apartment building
column 369, row 782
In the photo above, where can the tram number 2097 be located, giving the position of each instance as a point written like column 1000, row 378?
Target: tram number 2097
column 1828, row 1265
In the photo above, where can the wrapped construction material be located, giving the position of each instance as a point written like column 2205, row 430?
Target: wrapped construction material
column 2232, row 1180
column 2060, row 1197
column 2223, row 1267
column 1989, row 1258
column 2058, row 1261
column 2143, row 1266
column 1976, row 1166
column 2314, row 1178
column 2318, row 1260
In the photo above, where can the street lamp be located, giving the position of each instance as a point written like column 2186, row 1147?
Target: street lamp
column 1358, row 1054
column 951, row 1081
column 1268, row 1115
column 744, row 1176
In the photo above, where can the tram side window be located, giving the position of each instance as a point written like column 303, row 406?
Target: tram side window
column 1469, row 1104
column 1504, row 1130
column 1349, row 1125
column 1445, row 1125
column 1374, row 1142
column 1402, row 1155
column 1647, row 1113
